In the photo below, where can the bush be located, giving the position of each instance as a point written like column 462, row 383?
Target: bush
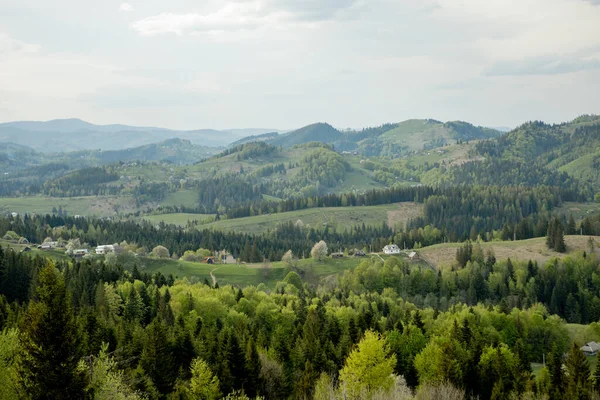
column 160, row 252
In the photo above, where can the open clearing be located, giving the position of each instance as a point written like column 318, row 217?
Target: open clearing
column 340, row 218
column 180, row 219
column 250, row 274
column 102, row 206
column 530, row 249
column 580, row 210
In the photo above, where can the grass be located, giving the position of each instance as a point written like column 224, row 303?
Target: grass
column 188, row 198
column 55, row 254
column 249, row 274
column 530, row 249
column 89, row 205
column 339, row 217
column 579, row 210
column 180, row 219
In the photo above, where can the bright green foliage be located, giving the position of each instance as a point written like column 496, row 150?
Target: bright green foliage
column 597, row 197
column 442, row 360
column 105, row 381
column 203, row 385
column 368, row 368
column 9, row 353
column 50, row 341
column 496, row 368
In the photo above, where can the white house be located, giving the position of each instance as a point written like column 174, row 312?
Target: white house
column 104, row 249
column 391, row 249
column 14, row 214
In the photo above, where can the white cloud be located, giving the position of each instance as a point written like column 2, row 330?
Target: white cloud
column 11, row 46
column 244, row 15
column 126, row 7
column 500, row 30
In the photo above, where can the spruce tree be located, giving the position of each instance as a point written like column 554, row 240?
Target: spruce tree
column 578, row 375
column 50, row 341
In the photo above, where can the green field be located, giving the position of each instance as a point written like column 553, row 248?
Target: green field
column 579, row 210
column 249, row 274
column 188, row 198
column 340, row 218
column 180, row 219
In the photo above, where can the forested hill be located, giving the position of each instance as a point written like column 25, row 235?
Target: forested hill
column 566, row 155
column 16, row 158
column 393, row 139
column 319, row 132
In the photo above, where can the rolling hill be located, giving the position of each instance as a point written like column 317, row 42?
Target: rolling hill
column 394, row 139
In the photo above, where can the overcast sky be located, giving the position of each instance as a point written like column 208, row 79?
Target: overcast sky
column 287, row 63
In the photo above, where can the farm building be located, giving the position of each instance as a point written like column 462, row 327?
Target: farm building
column 80, row 252
column 413, row 256
column 590, row 348
column 391, row 249
column 226, row 258
column 209, row 260
column 104, row 249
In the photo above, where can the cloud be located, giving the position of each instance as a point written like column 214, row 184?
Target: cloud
column 548, row 65
column 243, row 15
column 126, row 7
column 9, row 45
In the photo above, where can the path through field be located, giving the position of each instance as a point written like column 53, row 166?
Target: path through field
column 213, row 277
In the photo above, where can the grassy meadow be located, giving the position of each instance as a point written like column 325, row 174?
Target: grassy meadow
column 340, row 218
column 531, row 249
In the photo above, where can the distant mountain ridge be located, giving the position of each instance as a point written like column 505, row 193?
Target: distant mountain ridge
column 392, row 139
column 75, row 134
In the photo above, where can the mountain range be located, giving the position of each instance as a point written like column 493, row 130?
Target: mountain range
column 63, row 135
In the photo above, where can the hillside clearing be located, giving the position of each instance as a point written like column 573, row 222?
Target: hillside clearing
column 530, row 249
column 334, row 217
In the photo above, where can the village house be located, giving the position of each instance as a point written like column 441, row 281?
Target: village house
column 590, row 348
column 226, row 258
column 413, row 256
column 48, row 245
column 104, row 249
column 80, row 252
column 391, row 249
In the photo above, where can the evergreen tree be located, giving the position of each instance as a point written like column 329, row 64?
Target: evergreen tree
column 157, row 356
column 557, row 384
column 50, row 341
column 577, row 375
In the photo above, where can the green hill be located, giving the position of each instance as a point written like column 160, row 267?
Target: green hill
column 388, row 139
column 319, row 132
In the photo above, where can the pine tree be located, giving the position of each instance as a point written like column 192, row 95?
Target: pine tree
column 578, row 375
column 252, row 380
column 555, row 361
column 157, row 356
column 50, row 340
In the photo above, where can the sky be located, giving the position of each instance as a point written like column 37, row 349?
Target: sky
column 190, row 64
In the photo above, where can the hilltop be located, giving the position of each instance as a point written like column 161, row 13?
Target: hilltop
column 394, row 139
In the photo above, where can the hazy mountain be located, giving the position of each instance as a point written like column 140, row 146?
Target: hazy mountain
column 75, row 134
